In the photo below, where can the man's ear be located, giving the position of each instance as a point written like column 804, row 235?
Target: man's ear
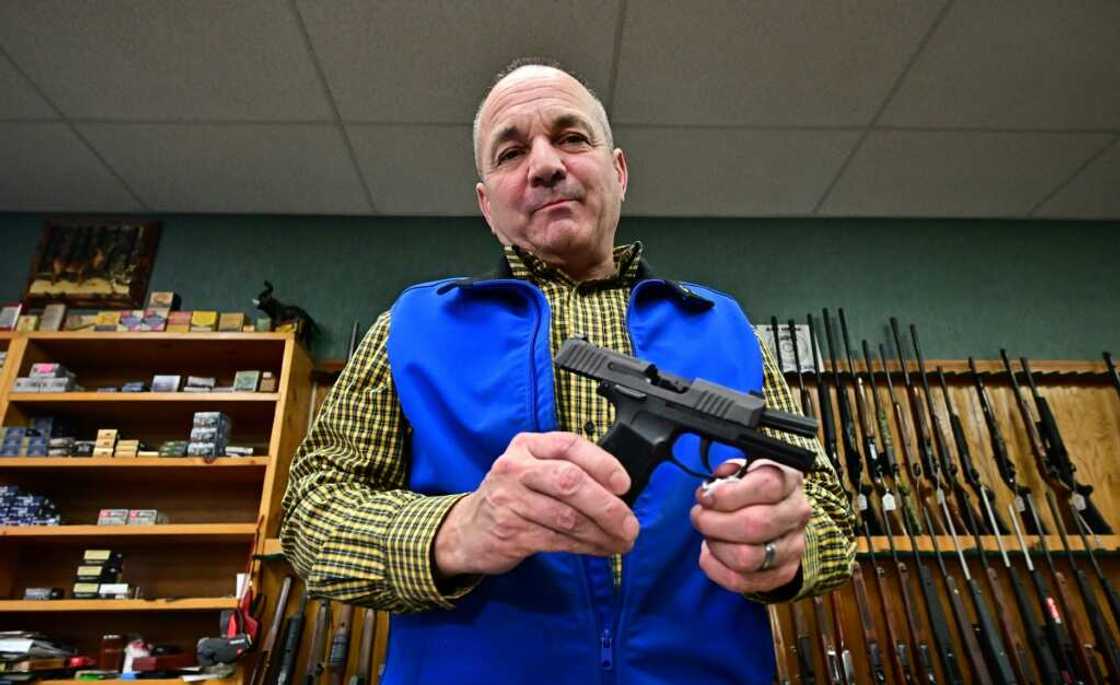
column 621, row 169
column 483, row 203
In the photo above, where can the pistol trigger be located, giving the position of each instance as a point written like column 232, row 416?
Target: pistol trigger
column 705, row 447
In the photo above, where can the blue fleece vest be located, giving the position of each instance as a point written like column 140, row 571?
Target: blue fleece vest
column 472, row 365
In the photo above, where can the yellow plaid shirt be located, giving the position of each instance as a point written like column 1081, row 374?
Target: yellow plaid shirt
column 354, row 531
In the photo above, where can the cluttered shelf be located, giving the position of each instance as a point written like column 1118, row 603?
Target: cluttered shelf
column 179, row 532
column 207, row 398
column 76, row 605
column 161, row 463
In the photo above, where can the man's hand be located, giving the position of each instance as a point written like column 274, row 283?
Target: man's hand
column 739, row 517
column 549, row 492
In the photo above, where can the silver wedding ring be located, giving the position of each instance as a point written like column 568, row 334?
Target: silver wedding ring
column 770, row 550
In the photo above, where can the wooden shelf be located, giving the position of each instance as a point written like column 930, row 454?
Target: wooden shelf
column 272, row 546
column 178, row 532
column 144, row 681
column 1109, row 544
column 73, row 605
column 221, row 463
column 207, row 398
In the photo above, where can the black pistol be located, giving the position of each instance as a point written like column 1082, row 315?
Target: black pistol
column 653, row 408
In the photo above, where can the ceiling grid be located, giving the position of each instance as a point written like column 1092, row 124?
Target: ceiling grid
column 725, row 108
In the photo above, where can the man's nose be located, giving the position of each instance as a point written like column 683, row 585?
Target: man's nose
column 546, row 169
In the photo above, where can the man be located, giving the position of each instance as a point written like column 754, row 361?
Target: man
column 453, row 476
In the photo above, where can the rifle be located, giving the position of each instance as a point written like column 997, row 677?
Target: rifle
column 1112, row 371
column 1016, row 652
column 870, row 636
column 909, row 508
column 314, row 667
column 848, row 433
column 340, row 645
column 900, row 654
column 921, row 432
column 999, row 448
column 806, row 396
column 653, row 408
column 824, row 403
column 292, row 636
column 1109, row 591
column 887, row 460
column 943, row 640
column 263, row 666
column 832, row 663
column 1080, row 646
column 1057, row 638
column 365, row 653
column 947, row 469
column 917, row 633
column 1058, row 456
column 1105, row 643
column 804, row 645
column 782, row 669
column 1036, row 635
column 964, row 456
column 870, row 449
column 964, row 625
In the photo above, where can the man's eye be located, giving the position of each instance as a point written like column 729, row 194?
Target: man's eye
column 508, row 154
column 573, row 139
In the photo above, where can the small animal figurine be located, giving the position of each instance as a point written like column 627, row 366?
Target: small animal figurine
column 281, row 313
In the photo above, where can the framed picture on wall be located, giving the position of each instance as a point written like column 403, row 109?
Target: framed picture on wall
column 91, row 263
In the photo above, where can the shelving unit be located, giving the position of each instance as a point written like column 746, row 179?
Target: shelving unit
column 219, row 512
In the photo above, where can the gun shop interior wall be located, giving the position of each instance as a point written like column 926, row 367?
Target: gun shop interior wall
column 1044, row 288
column 1087, row 409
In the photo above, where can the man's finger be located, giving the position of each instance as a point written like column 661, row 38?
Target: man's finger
column 728, row 579
column 567, row 482
column 764, row 483
column 746, row 558
column 753, row 525
column 597, row 462
column 553, row 514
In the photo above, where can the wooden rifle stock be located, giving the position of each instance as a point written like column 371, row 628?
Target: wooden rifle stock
column 803, row 646
column 834, row 669
column 926, row 672
column 314, row 667
column 870, row 635
column 900, row 649
column 365, row 653
column 340, row 645
column 782, row 668
column 263, row 666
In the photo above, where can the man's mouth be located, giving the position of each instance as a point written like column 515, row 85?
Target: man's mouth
column 554, row 203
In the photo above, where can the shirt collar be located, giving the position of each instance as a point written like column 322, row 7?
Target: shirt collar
column 527, row 266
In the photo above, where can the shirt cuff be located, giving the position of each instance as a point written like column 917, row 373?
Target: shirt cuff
column 408, row 554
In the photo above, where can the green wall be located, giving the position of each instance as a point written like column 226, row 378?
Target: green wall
column 1044, row 289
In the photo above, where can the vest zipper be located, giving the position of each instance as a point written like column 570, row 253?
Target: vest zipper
column 606, row 650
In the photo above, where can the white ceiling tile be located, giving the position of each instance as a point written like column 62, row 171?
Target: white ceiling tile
column 20, row 101
column 417, row 170
column 729, row 172
column 943, row 173
column 48, row 168
column 288, row 169
column 406, row 61
column 166, row 60
column 1093, row 194
column 772, row 63
column 1009, row 64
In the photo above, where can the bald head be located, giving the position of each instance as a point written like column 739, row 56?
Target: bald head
column 521, row 74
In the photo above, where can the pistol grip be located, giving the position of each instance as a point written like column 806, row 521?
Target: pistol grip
column 637, row 454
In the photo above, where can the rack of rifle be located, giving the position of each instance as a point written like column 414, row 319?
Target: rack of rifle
column 286, row 657
column 912, row 476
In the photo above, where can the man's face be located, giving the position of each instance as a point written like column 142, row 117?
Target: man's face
column 551, row 183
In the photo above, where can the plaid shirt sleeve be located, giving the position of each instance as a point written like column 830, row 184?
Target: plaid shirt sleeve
column 830, row 545
column 349, row 527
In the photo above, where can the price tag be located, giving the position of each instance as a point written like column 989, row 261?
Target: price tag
column 861, row 502
column 1020, row 505
column 1078, row 501
column 941, row 497
column 888, row 502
